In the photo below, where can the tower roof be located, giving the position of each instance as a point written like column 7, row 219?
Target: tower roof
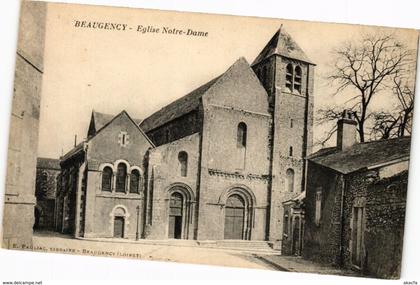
column 282, row 44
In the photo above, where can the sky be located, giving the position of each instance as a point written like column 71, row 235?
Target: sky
column 110, row 71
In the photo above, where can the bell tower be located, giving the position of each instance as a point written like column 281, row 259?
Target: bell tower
column 287, row 75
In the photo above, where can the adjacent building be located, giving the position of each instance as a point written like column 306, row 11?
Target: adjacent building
column 355, row 203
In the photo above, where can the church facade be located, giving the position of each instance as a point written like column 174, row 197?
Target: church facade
column 215, row 164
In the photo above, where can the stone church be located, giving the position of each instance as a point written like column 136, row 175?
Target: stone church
column 216, row 164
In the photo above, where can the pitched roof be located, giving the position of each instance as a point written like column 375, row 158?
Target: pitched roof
column 189, row 102
column 78, row 148
column 363, row 155
column 282, row 44
column 48, row 163
column 101, row 119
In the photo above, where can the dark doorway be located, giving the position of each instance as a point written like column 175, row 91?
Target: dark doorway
column 37, row 215
column 175, row 216
column 234, row 217
column 119, row 227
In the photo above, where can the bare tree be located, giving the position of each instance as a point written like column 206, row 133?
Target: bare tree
column 366, row 66
column 397, row 122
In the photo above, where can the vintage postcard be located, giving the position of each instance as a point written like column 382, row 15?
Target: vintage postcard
column 210, row 139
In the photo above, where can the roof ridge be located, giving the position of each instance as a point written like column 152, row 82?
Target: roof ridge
column 189, row 100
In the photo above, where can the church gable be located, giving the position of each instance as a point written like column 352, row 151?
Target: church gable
column 238, row 88
column 120, row 138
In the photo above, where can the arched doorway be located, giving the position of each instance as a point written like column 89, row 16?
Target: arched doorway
column 119, row 222
column 175, row 216
column 234, row 217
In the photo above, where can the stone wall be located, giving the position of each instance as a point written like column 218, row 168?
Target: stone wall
column 165, row 177
column 322, row 241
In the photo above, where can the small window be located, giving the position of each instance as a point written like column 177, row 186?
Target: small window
column 134, row 181
column 318, row 201
column 297, row 82
column 289, row 77
column 121, row 178
column 290, row 177
column 291, row 151
column 183, row 162
column 107, row 179
column 167, row 135
column 241, row 135
column 291, row 123
column 123, row 139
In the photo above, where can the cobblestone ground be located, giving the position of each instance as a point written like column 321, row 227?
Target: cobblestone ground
column 298, row 264
column 178, row 252
column 185, row 254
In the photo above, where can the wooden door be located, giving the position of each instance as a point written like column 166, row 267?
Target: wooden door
column 119, row 227
column 357, row 235
column 234, row 217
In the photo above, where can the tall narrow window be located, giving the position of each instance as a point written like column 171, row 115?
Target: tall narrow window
column 297, row 82
column 134, row 181
column 264, row 77
column 289, row 77
column 183, row 162
column 121, row 178
column 291, row 151
column 241, row 135
column 107, row 179
column 291, row 123
column 318, row 201
column 167, row 135
column 286, row 223
column 290, row 176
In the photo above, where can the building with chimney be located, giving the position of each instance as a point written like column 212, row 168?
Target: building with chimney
column 355, row 203
column 215, row 164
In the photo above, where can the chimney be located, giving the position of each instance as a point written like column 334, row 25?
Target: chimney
column 346, row 130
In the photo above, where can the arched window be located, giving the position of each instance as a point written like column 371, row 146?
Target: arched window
column 134, row 181
column 289, row 76
column 290, row 177
column 241, row 135
column 297, row 82
column 121, row 178
column 107, row 179
column 183, row 162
